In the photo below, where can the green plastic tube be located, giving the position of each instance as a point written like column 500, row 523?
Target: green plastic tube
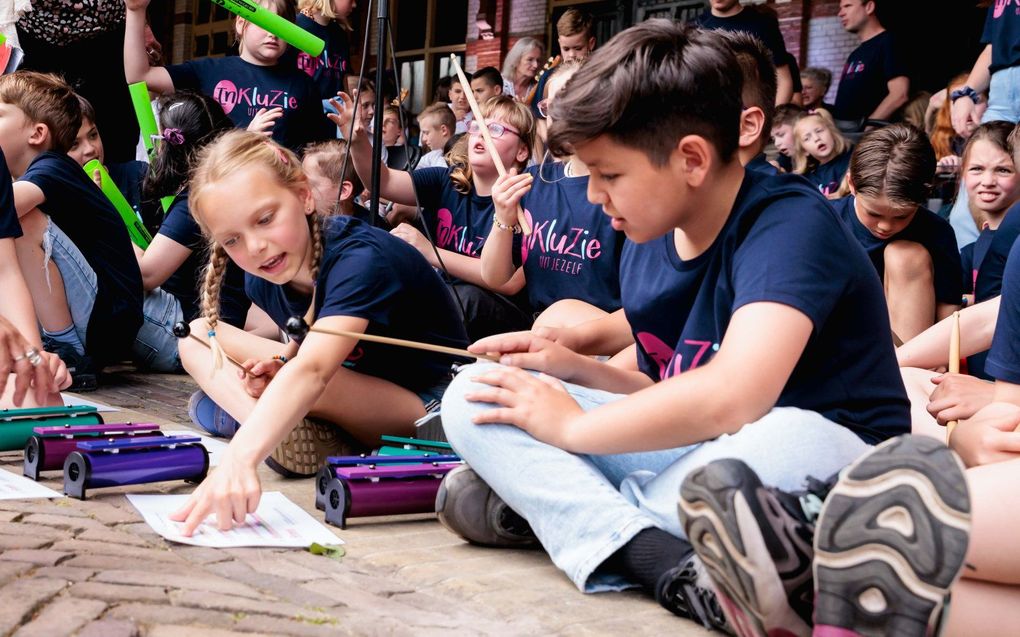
column 279, row 26
column 143, row 112
column 3, row 39
column 139, row 235
column 14, row 434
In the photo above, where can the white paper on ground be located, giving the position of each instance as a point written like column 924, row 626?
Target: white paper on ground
column 70, row 400
column 15, row 487
column 277, row 522
column 214, row 446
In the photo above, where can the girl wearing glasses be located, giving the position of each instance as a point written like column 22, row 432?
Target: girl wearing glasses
column 457, row 209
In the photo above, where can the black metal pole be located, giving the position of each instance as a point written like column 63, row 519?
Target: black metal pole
column 380, row 66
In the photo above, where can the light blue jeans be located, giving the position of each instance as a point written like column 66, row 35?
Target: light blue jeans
column 155, row 346
column 583, row 508
column 80, row 284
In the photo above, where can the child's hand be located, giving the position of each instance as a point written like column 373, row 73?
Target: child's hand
column 230, row 492
column 528, row 351
column 137, row 5
column 958, row 397
column 264, row 120
column 539, row 405
column 256, row 374
column 344, row 116
column 414, row 236
column 989, row 436
column 507, row 193
column 57, row 370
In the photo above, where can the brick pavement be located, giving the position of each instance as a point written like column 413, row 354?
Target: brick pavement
column 94, row 569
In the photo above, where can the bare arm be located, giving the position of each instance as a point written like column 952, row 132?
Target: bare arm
column 136, row 60
column 16, row 301
column 899, row 91
column 27, row 197
column 497, row 253
column 469, row 269
column 784, row 85
column 603, row 336
column 979, row 79
column 160, row 260
column 930, row 348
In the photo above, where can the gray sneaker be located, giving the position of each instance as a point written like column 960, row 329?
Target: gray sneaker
column 304, row 450
column 470, row 509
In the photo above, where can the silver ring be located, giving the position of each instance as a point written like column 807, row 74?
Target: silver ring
column 33, row 357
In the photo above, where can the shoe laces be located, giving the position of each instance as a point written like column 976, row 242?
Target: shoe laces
column 687, row 591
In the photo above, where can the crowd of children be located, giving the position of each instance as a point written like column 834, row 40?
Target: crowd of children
column 722, row 362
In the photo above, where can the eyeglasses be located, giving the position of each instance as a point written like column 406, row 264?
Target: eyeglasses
column 496, row 130
column 543, row 107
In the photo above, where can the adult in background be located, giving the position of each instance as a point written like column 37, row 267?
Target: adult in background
column 520, row 67
column 730, row 15
column 874, row 84
column 86, row 47
column 815, row 81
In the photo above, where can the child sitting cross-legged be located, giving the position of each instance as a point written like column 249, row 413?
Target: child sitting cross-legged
column 783, row 357
column 913, row 249
column 255, row 206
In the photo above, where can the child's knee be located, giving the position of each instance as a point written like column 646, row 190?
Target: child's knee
column 909, row 260
column 567, row 313
column 456, row 409
column 190, row 349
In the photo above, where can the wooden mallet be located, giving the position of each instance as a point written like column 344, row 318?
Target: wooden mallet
column 954, row 362
column 483, row 126
column 298, row 328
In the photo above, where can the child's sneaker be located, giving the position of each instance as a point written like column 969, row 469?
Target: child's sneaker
column 755, row 543
column 891, row 540
column 79, row 366
column 470, row 509
column 205, row 413
column 686, row 590
column 304, row 450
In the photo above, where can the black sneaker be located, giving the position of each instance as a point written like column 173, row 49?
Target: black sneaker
column 891, row 541
column 686, row 591
column 469, row 508
column 79, row 366
column 755, row 543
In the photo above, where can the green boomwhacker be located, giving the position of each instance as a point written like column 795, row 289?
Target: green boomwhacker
column 147, row 125
column 136, row 229
column 279, row 26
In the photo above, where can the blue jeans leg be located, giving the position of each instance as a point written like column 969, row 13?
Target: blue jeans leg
column 584, row 508
column 155, row 346
column 80, row 283
column 1003, row 96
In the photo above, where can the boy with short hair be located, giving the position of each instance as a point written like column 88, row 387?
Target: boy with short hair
column 576, row 40
column 786, row 117
column 783, row 358
column 437, row 124
column 75, row 252
column 486, row 82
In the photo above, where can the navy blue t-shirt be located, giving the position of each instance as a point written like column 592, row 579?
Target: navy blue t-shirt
column 573, row 251
column 761, row 164
column 1003, row 361
column 87, row 217
column 986, row 258
column 327, row 70
column 10, row 227
column 368, row 273
column 459, row 223
column 865, row 80
column 243, row 88
column 782, row 244
column 186, row 281
column 926, row 228
column 829, row 176
column 764, row 27
column 1002, row 31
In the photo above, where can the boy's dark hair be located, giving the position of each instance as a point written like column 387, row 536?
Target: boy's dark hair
column 818, row 74
column 492, row 76
column 787, row 114
column 46, row 99
column 365, row 86
column 442, row 92
column 758, row 70
column 896, row 162
column 649, row 87
column 189, row 121
column 87, row 111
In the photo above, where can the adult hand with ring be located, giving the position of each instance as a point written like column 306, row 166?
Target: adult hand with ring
column 19, row 357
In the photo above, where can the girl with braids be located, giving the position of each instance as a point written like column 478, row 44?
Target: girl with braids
column 170, row 265
column 456, row 206
column 254, row 204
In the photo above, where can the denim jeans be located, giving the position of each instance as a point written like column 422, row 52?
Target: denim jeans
column 583, row 508
column 80, row 283
column 155, row 346
column 1004, row 96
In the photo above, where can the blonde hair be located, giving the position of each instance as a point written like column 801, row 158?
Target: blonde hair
column 497, row 107
column 325, row 7
column 233, row 151
column 282, row 8
column 573, row 22
column 802, row 161
column 513, row 58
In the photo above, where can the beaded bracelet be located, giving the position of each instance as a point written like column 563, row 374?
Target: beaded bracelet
column 516, row 228
column 281, row 358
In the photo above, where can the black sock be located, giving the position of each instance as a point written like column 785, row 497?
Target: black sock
column 647, row 556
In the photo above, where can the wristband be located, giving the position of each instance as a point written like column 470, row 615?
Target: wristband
column 966, row 91
column 516, row 228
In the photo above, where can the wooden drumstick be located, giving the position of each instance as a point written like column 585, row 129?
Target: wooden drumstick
column 183, row 330
column 484, row 128
column 297, row 328
column 954, row 363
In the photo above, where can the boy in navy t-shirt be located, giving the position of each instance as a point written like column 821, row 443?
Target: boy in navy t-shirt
column 75, row 253
column 783, row 359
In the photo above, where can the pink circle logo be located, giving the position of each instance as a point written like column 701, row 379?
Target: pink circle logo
column 1000, row 7
column 226, row 94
